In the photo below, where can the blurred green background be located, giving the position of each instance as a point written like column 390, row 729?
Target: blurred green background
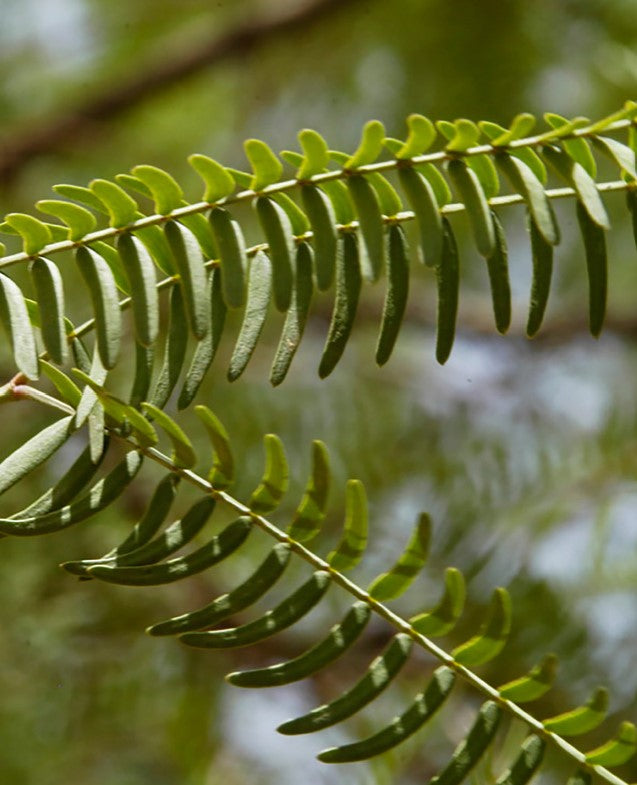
column 524, row 453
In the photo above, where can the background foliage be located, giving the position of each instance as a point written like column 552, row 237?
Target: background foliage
column 523, row 452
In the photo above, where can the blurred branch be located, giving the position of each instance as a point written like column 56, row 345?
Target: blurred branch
column 25, row 144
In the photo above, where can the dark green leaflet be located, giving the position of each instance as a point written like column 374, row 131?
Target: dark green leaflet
column 471, row 193
column 498, row 266
column 244, row 595
column 422, row 709
column 98, row 497
column 278, row 233
column 348, row 288
column 396, row 296
column 534, row 684
column 296, row 317
column 178, row 534
column 312, row 508
column 448, row 282
column 105, row 300
column 597, row 267
column 192, row 276
column 423, row 202
column 219, row 547
column 291, row 609
column 174, row 351
column 50, row 295
column 81, row 357
column 206, row 349
column 379, row 674
column 397, row 580
column 66, row 489
column 371, row 224
column 259, row 288
column 339, row 639
column 34, row 452
column 631, row 203
column 140, row 271
column 15, row 319
column 526, row 763
column 323, row 222
column 232, row 251
column 542, row 254
column 144, row 363
column 470, row 749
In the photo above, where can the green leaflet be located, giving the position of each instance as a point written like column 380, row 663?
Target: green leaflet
column 79, row 220
column 121, row 412
column 114, row 261
column 274, row 483
column 178, row 534
column 222, row 472
column 35, row 234
column 578, row 148
column 266, row 166
column 597, row 268
column 312, row 508
column 525, row 182
column 34, row 452
column 81, row 194
column 526, row 763
column 183, row 455
column 580, row 180
column 444, row 616
column 140, row 271
column 397, row 580
column 144, row 364
column 371, row 224
column 348, row 288
column 618, row 750
column 339, row 639
column 422, row 709
column 350, row 549
column 296, row 317
column 471, row 748
column 206, row 349
column 217, row 179
column 396, row 295
column 542, row 255
column 259, row 289
column 47, row 282
column 121, row 207
column 298, row 220
column 165, row 190
column 66, row 488
column 340, row 200
column 192, row 276
column 315, row 154
column 388, row 200
column 97, row 374
column 67, row 390
column 241, row 597
column 98, row 498
column 534, row 684
column 631, row 203
column 278, row 233
column 583, row 718
column 470, row 191
column 174, row 350
column 438, row 184
column 234, row 262
column 323, row 222
column 219, row 548
column 102, row 289
column 619, row 153
column 378, row 676
column 448, row 283
column 422, row 135
column 422, row 199
column 493, row 633
column 521, row 126
column 370, row 146
column 498, row 267
column 487, row 174
column 290, row 610
column 15, row 320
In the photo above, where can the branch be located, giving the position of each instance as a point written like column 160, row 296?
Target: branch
column 33, row 141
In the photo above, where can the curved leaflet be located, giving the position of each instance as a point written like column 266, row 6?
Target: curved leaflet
column 396, row 296
column 397, row 580
column 371, row 225
column 50, row 294
column 278, row 232
column 444, row 616
column 537, row 681
column 526, row 763
column 313, row 506
column 492, row 636
column 597, row 268
column 423, row 202
column 448, row 283
column 323, row 222
column 274, row 483
column 498, row 267
column 471, row 193
column 174, row 350
column 350, row 549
